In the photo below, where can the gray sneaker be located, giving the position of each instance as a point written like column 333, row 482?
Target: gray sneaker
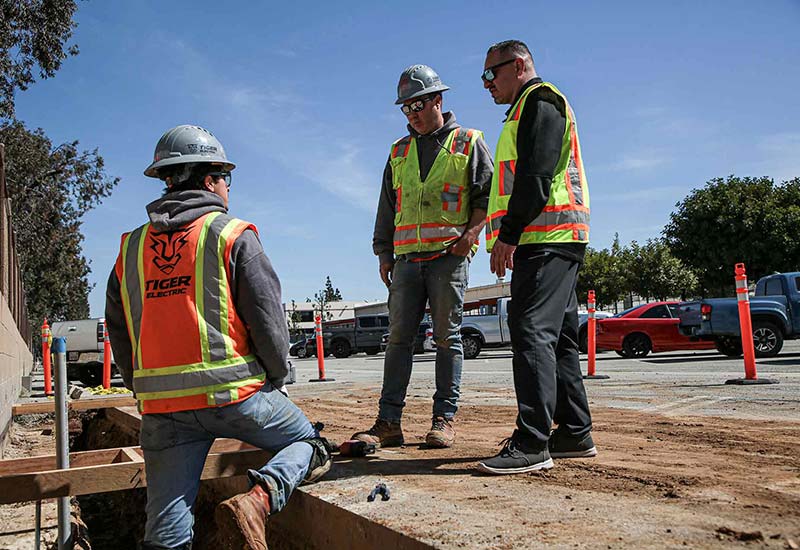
column 564, row 445
column 517, row 458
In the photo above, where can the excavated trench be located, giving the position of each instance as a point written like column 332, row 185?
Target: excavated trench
column 116, row 520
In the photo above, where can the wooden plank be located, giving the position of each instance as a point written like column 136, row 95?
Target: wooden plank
column 310, row 522
column 109, row 473
column 41, row 407
column 48, row 462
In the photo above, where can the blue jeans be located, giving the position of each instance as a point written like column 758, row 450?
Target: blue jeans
column 442, row 283
column 175, row 446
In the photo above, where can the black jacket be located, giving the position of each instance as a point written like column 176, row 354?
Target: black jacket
column 539, row 134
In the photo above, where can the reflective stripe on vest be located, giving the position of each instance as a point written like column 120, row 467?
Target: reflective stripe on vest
column 433, row 214
column 220, row 375
column 565, row 218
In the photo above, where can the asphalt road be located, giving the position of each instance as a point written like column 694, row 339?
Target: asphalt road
column 679, row 383
column 675, row 383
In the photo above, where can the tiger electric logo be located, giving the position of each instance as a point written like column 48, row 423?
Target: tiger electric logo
column 167, row 248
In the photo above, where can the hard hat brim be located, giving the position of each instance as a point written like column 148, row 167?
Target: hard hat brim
column 428, row 91
column 152, row 170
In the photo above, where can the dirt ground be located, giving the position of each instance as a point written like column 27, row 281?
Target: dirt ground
column 659, row 481
column 666, row 482
column 32, row 436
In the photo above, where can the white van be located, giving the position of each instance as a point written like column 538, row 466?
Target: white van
column 84, row 348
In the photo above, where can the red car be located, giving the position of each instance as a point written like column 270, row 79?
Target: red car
column 649, row 327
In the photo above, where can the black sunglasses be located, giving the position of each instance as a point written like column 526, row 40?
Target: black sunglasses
column 489, row 74
column 224, row 175
column 415, row 106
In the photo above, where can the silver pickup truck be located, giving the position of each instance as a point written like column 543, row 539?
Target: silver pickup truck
column 84, row 349
column 486, row 326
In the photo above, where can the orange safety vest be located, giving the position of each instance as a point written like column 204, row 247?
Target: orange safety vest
column 190, row 347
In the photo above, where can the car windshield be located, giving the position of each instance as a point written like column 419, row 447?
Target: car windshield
column 624, row 313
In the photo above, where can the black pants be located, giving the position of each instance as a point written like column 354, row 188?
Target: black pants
column 543, row 322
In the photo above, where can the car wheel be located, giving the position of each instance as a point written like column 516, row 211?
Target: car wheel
column 91, row 376
column 341, row 349
column 301, row 352
column 621, row 353
column 767, row 339
column 731, row 347
column 472, row 346
column 637, row 345
column 583, row 339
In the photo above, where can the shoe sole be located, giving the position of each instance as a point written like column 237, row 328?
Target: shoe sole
column 588, row 453
column 387, row 443
column 317, row 473
column 438, row 443
column 546, row 465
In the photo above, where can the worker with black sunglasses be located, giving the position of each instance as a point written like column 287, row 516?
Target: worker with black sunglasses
column 431, row 210
column 538, row 227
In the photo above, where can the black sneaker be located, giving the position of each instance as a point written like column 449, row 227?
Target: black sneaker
column 564, row 445
column 516, row 458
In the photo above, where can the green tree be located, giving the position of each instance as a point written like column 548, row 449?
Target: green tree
column 750, row 220
column 602, row 271
column 51, row 188
column 33, row 38
column 331, row 294
column 323, row 299
column 653, row 272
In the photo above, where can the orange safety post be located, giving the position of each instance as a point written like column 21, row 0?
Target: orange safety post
column 47, row 338
column 746, row 328
column 591, row 327
column 106, row 358
column 320, row 352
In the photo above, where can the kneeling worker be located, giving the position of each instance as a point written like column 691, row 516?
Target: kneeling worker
column 196, row 324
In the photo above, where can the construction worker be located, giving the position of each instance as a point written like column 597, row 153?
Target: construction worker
column 196, row 324
column 539, row 227
column 431, row 211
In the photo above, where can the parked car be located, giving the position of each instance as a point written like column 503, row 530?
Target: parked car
column 487, row 327
column 423, row 341
column 363, row 333
column 774, row 311
column 299, row 348
column 646, row 328
column 583, row 326
column 84, row 349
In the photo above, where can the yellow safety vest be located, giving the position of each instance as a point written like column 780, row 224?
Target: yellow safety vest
column 565, row 218
column 432, row 214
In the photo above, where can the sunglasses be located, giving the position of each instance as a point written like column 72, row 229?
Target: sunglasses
column 489, row 74
column 224, row 175
column 415, row 106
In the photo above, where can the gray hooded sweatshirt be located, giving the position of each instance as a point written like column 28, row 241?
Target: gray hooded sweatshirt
column 254, row 285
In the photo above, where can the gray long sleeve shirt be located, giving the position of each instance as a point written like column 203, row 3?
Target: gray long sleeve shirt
column 481, row 169
column 255, row 288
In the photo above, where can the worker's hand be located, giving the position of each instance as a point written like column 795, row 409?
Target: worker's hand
column 463, row 246
column 386, row 273
column 502, row 258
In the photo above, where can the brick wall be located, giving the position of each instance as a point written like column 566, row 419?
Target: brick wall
column 16, row 361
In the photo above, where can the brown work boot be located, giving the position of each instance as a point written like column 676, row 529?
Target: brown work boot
column 442, row 433
column 382, row 434
column 242, row 520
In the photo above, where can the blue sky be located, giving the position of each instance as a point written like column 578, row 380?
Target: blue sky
column 667, row 95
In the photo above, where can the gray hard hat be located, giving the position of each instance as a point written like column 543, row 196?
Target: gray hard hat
column 187, row 144
column 416, row 81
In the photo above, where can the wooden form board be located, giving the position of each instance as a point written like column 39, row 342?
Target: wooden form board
column 103, row 471
column 41, row 407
